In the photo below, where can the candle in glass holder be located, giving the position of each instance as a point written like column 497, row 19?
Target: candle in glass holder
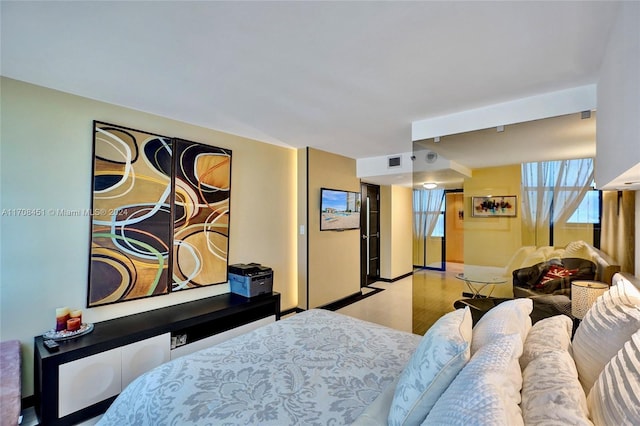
column 76, row 314
column 62, row 315
column 73, row 324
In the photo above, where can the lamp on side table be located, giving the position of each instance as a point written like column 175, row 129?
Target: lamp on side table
column 583, row 295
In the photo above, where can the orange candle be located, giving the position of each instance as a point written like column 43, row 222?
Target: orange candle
column 62, row 315
column 76, row 314
column 73, row 324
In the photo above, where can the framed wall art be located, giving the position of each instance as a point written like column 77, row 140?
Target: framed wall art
column 494, row 206
column 160, row 215
column 202, row 185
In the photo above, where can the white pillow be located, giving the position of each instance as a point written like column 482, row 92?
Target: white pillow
column 578, row 249
column 508, row 317
column 610, row 322
column 441, row 354
column 545, row 250
column 556, row 254
column 615, row 397
column 517, row 259
column 486, row 391
column 551, row 392
column 546, row 335
column 533, row 259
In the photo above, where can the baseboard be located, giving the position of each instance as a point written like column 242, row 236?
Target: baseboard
column 28, row 401
column 392, row 280
column 295, row 310
column 339, row 304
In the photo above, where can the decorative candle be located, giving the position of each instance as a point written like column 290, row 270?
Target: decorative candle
column 77, row 314
column 73, row 324
column 62, row 315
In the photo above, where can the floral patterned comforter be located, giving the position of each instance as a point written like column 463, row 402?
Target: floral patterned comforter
column 314, row 368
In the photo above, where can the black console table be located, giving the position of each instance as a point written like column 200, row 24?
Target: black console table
column 118, row 350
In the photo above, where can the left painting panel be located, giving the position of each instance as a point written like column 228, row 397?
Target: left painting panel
column 131, row 215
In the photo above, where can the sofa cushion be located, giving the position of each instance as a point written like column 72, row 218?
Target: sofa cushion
column 615, row 397
column 610, row 322
column 441, row 354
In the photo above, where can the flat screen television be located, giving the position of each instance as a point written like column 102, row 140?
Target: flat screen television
column 339, row 210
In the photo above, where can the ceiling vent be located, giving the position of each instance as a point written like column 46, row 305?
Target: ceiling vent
column 431, row 157
column 393, row 162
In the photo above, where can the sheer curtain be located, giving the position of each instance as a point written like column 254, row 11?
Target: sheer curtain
column 427, row 205
column 552, row 190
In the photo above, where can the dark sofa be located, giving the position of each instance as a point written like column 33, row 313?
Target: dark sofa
column 553, row 276
column 605, row 268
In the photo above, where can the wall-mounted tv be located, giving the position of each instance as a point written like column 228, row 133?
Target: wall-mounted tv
column 339, row 210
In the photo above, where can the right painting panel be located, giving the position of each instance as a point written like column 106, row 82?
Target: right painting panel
column 202, row 191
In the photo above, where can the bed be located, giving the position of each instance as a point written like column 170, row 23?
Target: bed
column 323, row 368
column 300, row 370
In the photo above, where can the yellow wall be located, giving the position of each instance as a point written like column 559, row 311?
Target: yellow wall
column 334, row 257
column 491, row 241
column 302, row 230
column 396, row 231
column 46, row 163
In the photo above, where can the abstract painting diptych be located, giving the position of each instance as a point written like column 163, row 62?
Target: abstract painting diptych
column 161, row 220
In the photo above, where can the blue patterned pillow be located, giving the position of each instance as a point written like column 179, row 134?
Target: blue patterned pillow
column 442, row 353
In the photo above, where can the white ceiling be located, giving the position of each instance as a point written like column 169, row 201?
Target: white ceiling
column 557, row 138
column 345, row 77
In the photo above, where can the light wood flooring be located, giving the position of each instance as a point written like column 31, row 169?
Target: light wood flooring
column 414, row 303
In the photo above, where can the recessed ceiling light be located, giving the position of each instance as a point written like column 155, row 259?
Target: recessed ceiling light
column 429, row 185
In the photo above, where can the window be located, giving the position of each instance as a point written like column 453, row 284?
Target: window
column 556, row 193
column 438, row 230
column 589, row 209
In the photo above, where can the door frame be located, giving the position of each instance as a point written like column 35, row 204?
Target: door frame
column 443, row 246
column 366, row 279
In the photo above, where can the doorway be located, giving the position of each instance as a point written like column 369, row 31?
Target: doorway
column 454, row 226
column 370, row 234
column 439, row 231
